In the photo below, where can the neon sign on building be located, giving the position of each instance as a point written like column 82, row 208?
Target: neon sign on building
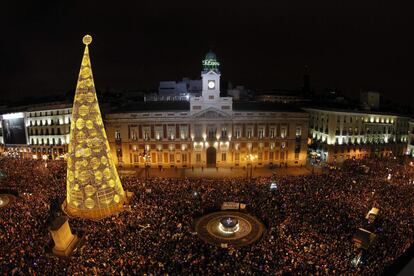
column 211, row 62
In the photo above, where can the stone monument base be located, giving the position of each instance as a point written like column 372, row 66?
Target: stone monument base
column 65, row 241
column 68, row 251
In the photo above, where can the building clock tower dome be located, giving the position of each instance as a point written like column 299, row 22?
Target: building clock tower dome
column 210, row 100
column 210, row 62
column 210, row 77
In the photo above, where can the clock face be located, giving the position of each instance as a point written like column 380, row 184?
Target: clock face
column 211, row 84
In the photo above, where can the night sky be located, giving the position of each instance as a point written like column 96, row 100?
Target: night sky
column 348, row 45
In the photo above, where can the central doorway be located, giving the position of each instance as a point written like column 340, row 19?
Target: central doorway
column 211, row 157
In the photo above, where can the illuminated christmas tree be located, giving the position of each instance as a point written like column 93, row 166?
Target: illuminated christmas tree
column 93, row 186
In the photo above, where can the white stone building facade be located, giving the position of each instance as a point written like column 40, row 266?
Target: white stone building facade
column 209, row 131
column 343, row 134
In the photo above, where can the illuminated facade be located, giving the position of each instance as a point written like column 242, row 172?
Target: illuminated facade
column 46, row 131
column 208, row 131
column 93, row 186
column 342, row 134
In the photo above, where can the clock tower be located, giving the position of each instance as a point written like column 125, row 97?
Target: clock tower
column 210, row 100
column 210, row 78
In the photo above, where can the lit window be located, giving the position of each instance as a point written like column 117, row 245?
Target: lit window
column 261, row 133
column 223, row 132
column 183, row 132
column 283, row 132
column 117, row 135
column 170, row 132
column 237, row 133
column 184, row 157
column 298, row 132
column 158, row 134
column 133, row 135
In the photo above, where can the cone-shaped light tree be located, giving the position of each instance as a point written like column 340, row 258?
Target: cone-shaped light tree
column 93, row 187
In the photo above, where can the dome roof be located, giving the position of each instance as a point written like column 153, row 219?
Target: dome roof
column 211, row 55
column 210, row 62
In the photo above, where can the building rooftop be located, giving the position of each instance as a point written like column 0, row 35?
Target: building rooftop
column 36, row 107
column 150, row 106
column 185, row 106
column 359, row 111
column 265, row 106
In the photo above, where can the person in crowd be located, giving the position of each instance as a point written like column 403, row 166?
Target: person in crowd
column 310, row 221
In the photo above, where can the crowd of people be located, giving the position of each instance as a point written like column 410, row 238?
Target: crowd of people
column 310, row 221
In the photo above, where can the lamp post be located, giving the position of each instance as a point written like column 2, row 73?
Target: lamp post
column 250, row 158
column 146, row 157
column 247, row 165
column 147, row 171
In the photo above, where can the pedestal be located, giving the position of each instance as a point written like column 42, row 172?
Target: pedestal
column 65, row 241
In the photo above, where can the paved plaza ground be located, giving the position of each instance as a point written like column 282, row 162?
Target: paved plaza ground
column 213, row 172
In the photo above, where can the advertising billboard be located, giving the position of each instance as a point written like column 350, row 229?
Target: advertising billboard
column 14, row 129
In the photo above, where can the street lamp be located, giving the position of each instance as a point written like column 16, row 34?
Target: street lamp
column 250, row 158
column 147, row 158
column 44, row 157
